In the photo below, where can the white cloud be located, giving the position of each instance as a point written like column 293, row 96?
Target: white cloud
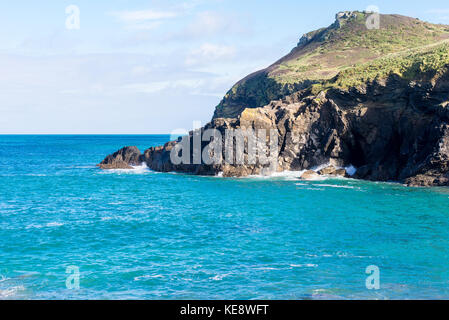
column 140, row 70
column 150, row 87
column 151, row 25
column 441, row 14
column 438, row 11
column 210, row 53
column 208, row 22
column 157, row 86
column 144, row 19
column 211, row 23
column 144, row 15
column 188, row 83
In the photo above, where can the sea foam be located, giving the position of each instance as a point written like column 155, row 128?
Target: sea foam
column 142, row 169
column 296, row 175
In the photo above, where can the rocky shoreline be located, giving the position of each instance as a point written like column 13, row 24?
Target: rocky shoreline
column 391, row 127
column 392, row 130
column 130, row 157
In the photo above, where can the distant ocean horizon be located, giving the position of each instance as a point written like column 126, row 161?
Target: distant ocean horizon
column 139, row 234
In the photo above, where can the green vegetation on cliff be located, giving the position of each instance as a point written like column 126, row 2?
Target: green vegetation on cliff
column 413, row 65
column 345, row 54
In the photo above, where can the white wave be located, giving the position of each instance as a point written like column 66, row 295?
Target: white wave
column 321, row 167
column 310, row 186
column 307, row 265
column 319, row 178
column 148, row 277
column 266, row 268
column 34, row 226
column 219, row 277
column 285, row 175
column 288, row 174
column 335, row 186
column 10, row 292
column 54, row 224
column 40, row 226
column 296, row 175
column 142, row 169
column 350, row 255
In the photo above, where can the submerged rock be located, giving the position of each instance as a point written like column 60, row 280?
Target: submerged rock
column 125, row 158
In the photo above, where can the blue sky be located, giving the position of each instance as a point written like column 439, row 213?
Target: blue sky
column 148, row 66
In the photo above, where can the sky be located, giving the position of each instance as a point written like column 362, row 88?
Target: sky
column 141, row 67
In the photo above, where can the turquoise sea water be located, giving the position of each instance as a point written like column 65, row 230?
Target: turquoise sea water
column 146, row 235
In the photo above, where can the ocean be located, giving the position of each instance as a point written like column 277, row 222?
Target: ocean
column 71, row 231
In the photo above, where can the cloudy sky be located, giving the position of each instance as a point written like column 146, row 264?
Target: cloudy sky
column 147, row 66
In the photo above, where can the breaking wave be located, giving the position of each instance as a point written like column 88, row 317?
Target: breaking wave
column 296, row 175
column 142, row 169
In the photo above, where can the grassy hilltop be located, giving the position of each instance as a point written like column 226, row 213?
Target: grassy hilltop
column 343, row 55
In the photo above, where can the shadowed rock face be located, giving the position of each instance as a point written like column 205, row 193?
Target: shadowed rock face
column 123, row 159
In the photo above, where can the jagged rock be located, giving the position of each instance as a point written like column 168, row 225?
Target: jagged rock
column 422, row 180
column 332, row 171
column 310, row 175
column 236, row 171
column 125, row 158
column 341, row 173
column 328, row 171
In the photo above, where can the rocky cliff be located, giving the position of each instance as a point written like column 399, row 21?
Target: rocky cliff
column 322, row 54
column 346, row 95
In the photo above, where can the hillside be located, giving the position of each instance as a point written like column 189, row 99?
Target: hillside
column 344, row 49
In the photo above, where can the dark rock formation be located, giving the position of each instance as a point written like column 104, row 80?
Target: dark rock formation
column 123, row 159
column 392, row 130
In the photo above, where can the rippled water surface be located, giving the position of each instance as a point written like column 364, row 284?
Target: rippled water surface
column 146, row 235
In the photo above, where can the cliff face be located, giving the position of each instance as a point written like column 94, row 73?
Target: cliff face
column 322, row 54
column 392, row 130
column 387, row 115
